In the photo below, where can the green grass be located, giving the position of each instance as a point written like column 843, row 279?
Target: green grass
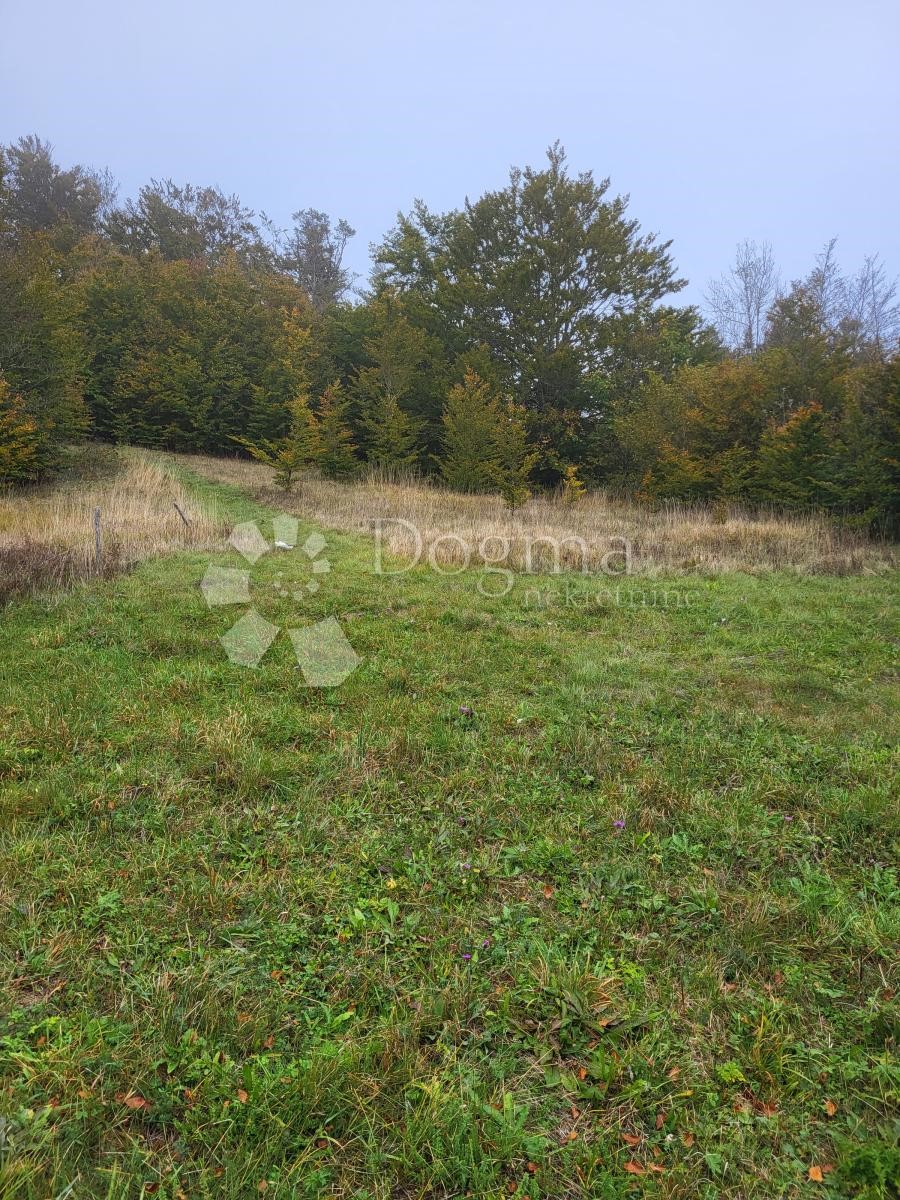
column 257, row 938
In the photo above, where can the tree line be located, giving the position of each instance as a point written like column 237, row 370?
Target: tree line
column 527, row 339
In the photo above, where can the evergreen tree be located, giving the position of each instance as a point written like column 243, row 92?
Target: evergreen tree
column 292, row 454
column 796, row 460
column 337, row 458
column 390, row 388
column 471, row 417
column 514, row 460
column 393, row 435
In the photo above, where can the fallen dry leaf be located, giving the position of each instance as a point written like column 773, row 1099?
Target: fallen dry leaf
column 631, row 1139
column 830, row 1107
column 815, row 1174
column 548, row 891
column 675, row 1072
column 132, row 1100
column 531, row 1168
column 634, row 1168
column 687, row 1139
column 242, row 1096
column 660, row 1119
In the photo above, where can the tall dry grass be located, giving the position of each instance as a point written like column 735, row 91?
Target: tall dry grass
column 47, row 534
column 548, row 534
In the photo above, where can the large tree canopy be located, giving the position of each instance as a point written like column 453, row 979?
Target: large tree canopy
column 37, row 195
column 540, row 272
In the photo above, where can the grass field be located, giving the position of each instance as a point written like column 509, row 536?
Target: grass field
column 563, row 893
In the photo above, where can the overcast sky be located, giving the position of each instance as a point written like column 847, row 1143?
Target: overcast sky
column 767, row 120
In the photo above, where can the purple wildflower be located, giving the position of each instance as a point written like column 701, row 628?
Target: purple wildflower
column 619, row 824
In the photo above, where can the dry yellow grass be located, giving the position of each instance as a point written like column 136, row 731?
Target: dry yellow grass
column 548, row 534
column 47, row 534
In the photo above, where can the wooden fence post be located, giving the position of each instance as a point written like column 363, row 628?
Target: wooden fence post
column 181, row 514
column 98, row 541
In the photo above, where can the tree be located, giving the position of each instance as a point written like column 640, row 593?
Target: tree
column 796, row 460
column 41, row 350
column 20, row 438
column 573, row 487
column 514, row 459
column 393, row 435
column 539, row 272
column 873, row 310
column 293, row 454
column 38, row 196
column 396, row 352
column 187, row 222
column 313, row 255
column 471, row 419
column 829, row 313
column 741, row 298
column 336, row 459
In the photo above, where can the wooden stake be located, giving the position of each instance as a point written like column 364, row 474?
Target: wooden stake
column 181, row 514
column 98, row 540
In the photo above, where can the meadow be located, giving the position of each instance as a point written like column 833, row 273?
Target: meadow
column 587, row 889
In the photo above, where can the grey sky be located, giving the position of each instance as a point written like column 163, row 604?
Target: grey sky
column 768, row 120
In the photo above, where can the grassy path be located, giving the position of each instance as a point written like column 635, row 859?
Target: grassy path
column 547, row 899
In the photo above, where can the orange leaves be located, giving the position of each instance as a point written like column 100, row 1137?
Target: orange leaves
column 548, row 891
column 816, row 1174
column 830, row 1107
column 631, row 1139
column 635, row 1168
column 133, row 1101
column 242, row 1096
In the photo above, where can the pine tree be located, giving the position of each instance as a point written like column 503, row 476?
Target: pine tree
column 471, row 417
column 514, row 460
column 337, row 459
column 290, row 455
column 393, row 434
